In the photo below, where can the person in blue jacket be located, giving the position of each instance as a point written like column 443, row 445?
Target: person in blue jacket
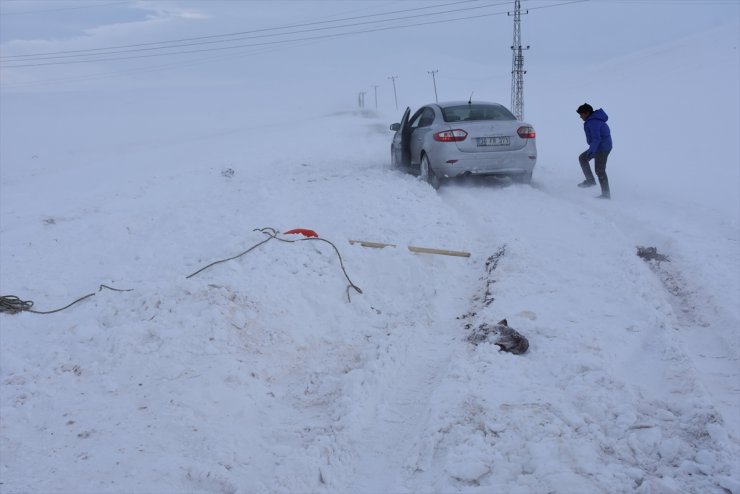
column 599, row 140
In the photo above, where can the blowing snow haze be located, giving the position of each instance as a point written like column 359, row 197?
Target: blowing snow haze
column 141, row 141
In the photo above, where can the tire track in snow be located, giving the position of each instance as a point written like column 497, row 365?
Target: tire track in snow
column 409, row 341
column 640, row 417
column 700, row 320
column 393, row 402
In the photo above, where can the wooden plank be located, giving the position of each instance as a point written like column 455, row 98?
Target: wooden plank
column 412, row 248
column 442, row 252
column 373, row 245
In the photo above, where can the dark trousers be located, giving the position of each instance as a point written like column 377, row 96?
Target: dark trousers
column 599, row 167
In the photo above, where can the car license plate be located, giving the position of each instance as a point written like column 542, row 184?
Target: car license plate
column 493, row 141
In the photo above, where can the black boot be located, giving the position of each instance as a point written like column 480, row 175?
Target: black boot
column 587, row 183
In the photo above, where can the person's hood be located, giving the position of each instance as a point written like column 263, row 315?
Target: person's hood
column 599, row 115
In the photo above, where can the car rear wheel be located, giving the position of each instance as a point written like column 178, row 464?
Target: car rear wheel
column 523, row 178
column 427, row 174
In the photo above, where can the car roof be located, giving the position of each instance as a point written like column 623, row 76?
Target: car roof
column 445, row 104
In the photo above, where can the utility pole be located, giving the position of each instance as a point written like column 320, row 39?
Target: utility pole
column 435, row 83
column 517, row 64
column 395, row 95
column 375, row 87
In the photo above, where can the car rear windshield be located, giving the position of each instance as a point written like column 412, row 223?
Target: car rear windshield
column 476, row 112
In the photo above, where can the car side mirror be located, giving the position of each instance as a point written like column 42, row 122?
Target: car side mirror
column 395, row 127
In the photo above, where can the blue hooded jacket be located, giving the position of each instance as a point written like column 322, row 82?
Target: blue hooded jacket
column 598, row 135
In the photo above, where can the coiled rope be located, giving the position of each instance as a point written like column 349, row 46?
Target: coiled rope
column 12, row 304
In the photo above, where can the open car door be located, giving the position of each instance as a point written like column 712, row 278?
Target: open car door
column 400, row 146
column 406, row 139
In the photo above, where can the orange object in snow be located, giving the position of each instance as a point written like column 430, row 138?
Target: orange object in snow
column 303, row 231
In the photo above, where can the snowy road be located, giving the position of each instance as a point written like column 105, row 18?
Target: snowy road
column 258, row 375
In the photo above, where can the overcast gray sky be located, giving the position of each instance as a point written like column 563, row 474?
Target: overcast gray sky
column 64, row 43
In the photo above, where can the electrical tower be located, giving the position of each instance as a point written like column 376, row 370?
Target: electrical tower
column 434, row 80
column 395, row 95
column 517, row 64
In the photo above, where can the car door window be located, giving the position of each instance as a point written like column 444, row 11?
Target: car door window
column 416, row 119
column 424, row 117
column 427, row 118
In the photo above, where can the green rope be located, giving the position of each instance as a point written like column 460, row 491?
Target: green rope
column 12, row 305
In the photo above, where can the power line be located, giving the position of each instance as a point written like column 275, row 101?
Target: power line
column 3, row 14
column 673, row 2
column 139, row 70
column 16, row 59
column 211, row 59
column 233, row 36
column 247, row 45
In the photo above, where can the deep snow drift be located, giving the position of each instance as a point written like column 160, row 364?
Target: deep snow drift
column 267, row 373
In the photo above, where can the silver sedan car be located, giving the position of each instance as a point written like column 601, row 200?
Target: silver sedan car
column 447, row 140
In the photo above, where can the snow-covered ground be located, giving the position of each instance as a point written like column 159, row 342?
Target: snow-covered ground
column 269, row 373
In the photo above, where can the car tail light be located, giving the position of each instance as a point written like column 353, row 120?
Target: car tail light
column 451, row 135
column 525, row 132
